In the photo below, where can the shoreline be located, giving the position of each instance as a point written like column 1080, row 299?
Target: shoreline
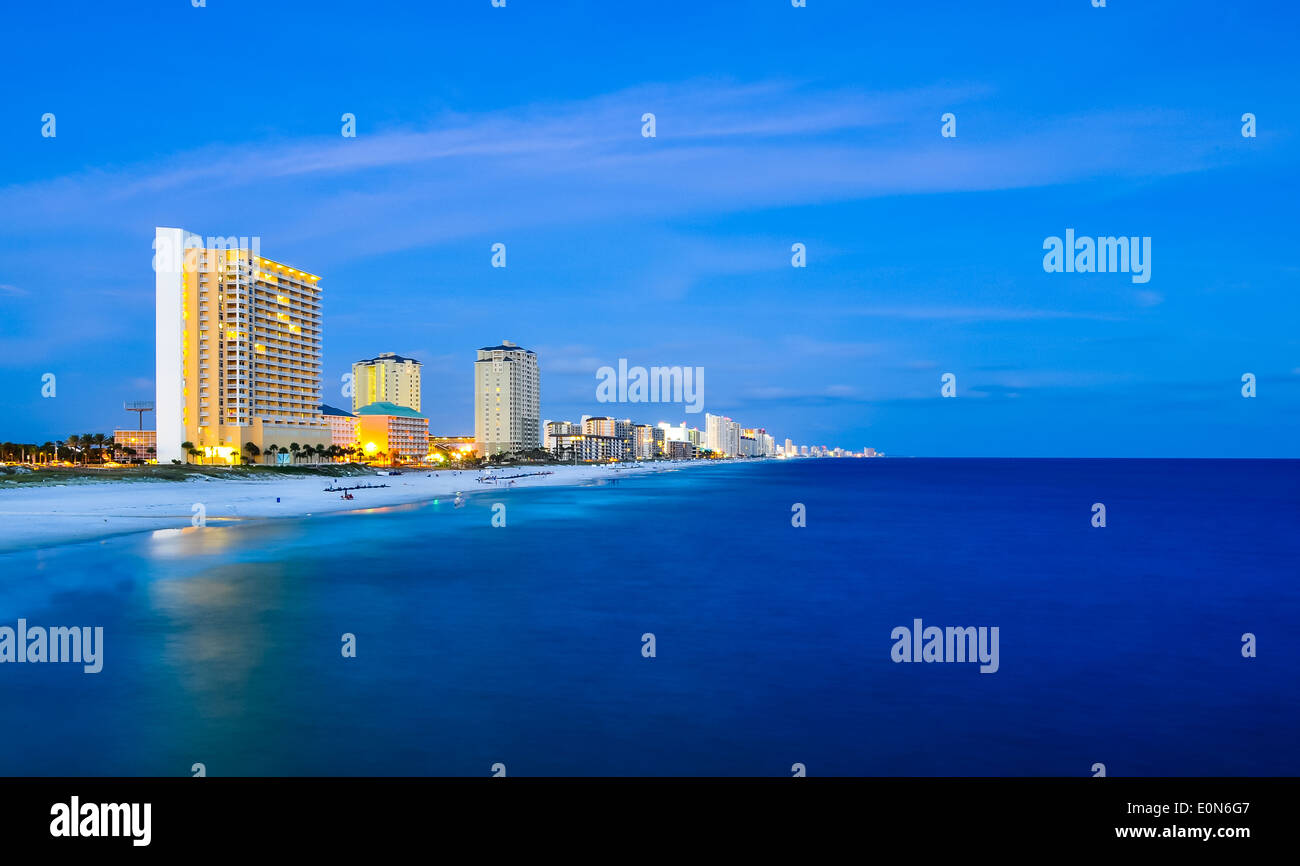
column 43, row 516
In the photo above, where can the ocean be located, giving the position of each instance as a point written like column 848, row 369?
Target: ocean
column 522, row 645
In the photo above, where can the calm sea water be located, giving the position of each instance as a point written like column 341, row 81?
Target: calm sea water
column 522, row 645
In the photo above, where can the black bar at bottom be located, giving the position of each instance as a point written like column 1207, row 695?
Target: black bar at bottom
column 217, row 815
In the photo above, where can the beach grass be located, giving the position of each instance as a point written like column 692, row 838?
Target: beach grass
column 26, row 475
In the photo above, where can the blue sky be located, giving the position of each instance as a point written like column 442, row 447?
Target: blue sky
column 775, row 125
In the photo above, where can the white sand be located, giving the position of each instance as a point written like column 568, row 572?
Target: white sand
column 42, row 516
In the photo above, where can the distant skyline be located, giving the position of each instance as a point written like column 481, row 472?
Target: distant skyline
column 775, row 126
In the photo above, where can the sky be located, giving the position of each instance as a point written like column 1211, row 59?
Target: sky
column 775, row 125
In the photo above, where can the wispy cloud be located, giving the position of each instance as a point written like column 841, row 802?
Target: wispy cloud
column 971, row 313
column 721, row 148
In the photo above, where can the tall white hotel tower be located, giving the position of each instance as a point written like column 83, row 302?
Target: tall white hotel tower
column 507, row 399
column 238, row 349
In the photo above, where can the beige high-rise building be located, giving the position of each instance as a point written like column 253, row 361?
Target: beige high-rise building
column 386, row 378
column 507, row 399
column 238, row 349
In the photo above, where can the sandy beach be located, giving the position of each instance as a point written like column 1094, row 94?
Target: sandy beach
column 44, row 516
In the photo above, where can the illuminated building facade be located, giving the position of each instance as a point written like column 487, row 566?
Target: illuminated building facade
column 143, row 442
column 586, row 447
column 679, row 449
column 386, row 378
column 392, row 434
column 601, row 425
column 442, row 448
column 507, row 399
column 643, row 439
column 238, row 349
column 722, row 435
column 551, row 429
column 342, row 424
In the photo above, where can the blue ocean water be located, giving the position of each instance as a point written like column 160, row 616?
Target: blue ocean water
column 522, row 644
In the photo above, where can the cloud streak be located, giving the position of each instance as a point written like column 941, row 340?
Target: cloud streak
column 721, row 148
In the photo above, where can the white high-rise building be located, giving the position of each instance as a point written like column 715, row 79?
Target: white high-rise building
column 643, row 441
column 715, row 432
column 238, row 350
column 507, row 399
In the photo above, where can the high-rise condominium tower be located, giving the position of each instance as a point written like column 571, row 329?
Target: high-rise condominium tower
column 238, row 342
column 386, row 378
column 507, row 399
column 722, row 435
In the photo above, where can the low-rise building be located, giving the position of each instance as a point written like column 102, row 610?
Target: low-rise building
column 343, row 425
column 586, row 447
column 681, row 450
column 557, row 428
column 144, row 444
column 442, row 448
column 389, row 433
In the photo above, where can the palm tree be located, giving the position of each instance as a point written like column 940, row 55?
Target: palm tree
column 273, row 450
column 188, row 447
column 99, row 440
column 87, row 442
column 253, row 450
column 151, row 451
column 129, row 452
column 294, row 448
column 194, row 452
column 73, row 441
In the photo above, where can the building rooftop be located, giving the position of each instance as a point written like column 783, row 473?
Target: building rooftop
column 383, row 407
column 326, row 409
column 388, row 356
column 267, row 264
column 507, row 346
